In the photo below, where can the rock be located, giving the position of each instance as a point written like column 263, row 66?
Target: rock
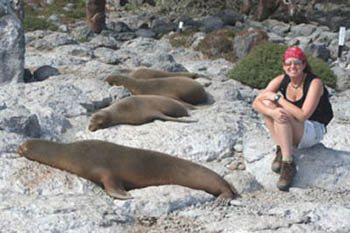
column 12, row 45
column 160, row 136
column 229, row 137
column 278, row 27
column 161, row 27
column 316, row 166
column 319, row 51
column 229, row 17
column 28, row 76
column 20, row 121
column 44, row 72
column 107, row 56
column 302, row 30
column 145, row 33
column 246, row 40
column 124, row 36
column 211, row 23
column 119, row 27
column 9, row 143
column 331, row 15
column 18, row 7
column 343, row 78
column 53, row 40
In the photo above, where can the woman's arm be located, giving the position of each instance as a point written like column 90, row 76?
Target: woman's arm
column 312, row 99
column 271, row 89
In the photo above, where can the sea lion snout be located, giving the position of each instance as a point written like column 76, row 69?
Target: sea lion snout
column 115, row 79
column 22, row 149
column 92, row 128
column 97, row 121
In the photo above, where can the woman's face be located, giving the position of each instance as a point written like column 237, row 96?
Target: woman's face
column 293, row 67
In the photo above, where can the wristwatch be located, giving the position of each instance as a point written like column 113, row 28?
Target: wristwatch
column 277, row 97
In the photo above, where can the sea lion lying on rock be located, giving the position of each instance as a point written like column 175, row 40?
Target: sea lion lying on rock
column 147, row 73
column 120, row 168
column 179, row 88
column 136, row 110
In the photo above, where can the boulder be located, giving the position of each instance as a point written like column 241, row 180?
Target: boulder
column 12, row 45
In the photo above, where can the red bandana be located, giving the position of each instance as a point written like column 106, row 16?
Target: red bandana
column 294, row 52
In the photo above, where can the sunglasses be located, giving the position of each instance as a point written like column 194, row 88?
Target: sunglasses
column 295, row 62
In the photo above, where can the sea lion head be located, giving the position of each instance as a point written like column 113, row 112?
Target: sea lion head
column 99, row 120
column 116, row 79
column 23, row 149
column 34, row 147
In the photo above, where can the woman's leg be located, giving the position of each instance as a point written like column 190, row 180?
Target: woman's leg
column 269, row 122
column 288, row 134
column 284, row 134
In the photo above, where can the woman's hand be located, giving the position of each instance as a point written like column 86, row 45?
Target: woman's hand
column 269, row 95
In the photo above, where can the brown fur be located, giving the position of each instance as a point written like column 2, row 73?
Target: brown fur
column 147, row 73
column 136, row 110
column 119, row 168
column 96, row 15
column 179, row 88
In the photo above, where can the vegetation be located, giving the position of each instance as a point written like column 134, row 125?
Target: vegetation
column 182, row 39
column 36, row 17
column 32, row 23
column 264, row 63
column 218, row 44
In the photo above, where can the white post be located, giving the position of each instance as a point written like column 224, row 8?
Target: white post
column 181, row 25
column 341, row 40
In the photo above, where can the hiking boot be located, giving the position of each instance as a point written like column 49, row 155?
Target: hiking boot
column 277, row 161
column 288, row 171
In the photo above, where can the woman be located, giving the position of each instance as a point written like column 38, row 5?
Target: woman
column 296, row 111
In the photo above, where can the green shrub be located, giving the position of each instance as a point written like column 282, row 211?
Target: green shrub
column 35, row 23
column 264, row 63
column 36, row 17
column 321, row 69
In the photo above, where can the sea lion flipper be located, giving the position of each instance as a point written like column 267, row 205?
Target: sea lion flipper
column 114, row 188
column 169, row 118
column 118, row 193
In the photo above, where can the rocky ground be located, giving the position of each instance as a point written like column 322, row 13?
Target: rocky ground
column 229, row 138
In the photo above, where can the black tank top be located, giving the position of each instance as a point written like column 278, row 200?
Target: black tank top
column 323, row 112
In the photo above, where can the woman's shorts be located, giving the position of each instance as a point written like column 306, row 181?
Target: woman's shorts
column 313, row 134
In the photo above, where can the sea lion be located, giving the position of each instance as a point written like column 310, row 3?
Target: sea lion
column 136, row 110
column 147, row 73
column 183, row 89
column 119, row 168
column 95, row 11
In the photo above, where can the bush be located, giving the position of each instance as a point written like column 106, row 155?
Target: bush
column 181, row 39
column 264, row 63
column 35, row 23
column 36, row 16
column 215, row 45
column 218, row 44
